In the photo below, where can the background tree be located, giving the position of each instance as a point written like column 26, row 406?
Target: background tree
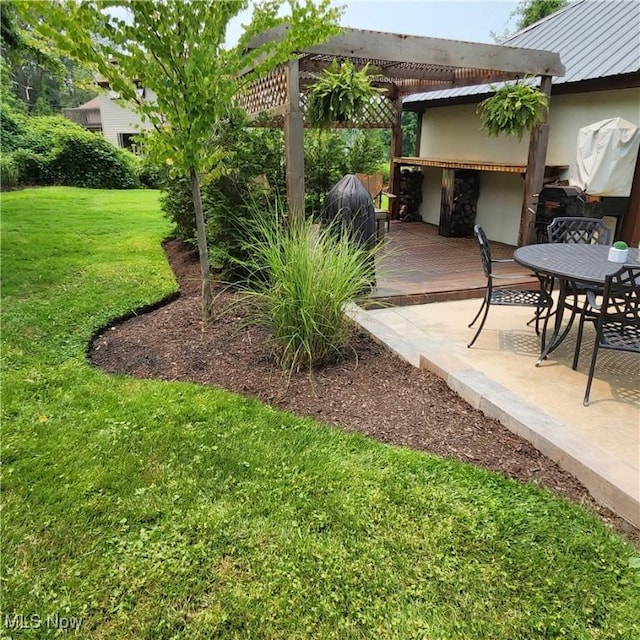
column 529, row 12
column 35, row 80
column 177, row 49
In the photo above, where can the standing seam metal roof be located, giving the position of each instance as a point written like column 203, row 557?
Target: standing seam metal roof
column 595, row 39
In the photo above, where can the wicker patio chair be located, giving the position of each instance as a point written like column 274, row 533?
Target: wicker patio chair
column 617, row 319
column 539, row 299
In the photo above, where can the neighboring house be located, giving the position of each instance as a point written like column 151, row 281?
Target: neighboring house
column 103, row 113
column 599, row 44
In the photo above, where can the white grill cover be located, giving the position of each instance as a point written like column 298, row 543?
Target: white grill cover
column 606, row 157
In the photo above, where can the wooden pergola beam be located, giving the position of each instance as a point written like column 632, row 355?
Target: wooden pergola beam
column 430, row 79
column 399, row 48
column 393, row 47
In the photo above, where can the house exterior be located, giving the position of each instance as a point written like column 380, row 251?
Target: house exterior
column 599, row 44
column 104, row 114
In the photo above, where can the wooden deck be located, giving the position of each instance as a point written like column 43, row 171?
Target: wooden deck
column 417, row 266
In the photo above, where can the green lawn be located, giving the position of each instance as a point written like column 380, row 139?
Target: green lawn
column 169, row 510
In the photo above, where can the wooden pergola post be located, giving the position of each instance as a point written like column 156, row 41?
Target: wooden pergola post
column 534, row 177
column 631, row 222
column 396, row 152
column 294, row 143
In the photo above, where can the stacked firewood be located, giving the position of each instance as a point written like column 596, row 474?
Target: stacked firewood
column 410, row 194
column 465, row 200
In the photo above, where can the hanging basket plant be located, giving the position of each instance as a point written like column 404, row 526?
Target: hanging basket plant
column 513, row 110
column 340, row 95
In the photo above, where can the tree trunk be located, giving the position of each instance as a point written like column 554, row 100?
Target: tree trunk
column 207, row 298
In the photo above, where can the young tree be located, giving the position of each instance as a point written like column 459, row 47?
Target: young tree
column 177, row 49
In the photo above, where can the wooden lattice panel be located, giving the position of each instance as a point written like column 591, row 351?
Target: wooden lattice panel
column 266, row 93
column 379, row 114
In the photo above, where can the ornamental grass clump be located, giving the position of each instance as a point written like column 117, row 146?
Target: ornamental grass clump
column 302, row 278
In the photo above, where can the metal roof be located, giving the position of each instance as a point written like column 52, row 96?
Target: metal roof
column 594, row 38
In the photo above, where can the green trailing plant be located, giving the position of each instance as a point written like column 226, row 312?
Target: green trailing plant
column 513, row 110
column 340, row 95
column 302, row 277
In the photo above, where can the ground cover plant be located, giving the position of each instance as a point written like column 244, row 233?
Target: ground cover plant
column 155, row 509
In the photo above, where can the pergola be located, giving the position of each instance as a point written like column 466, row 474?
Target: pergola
column 401, row 65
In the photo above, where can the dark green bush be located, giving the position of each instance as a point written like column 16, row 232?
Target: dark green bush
column 53, row 150
column 83, row 159
column 325, row 162
column 253, row 174
column 33, row 168
column 151, row 175
column 13, row 128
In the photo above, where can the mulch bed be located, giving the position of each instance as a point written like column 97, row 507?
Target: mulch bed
column 372, row 391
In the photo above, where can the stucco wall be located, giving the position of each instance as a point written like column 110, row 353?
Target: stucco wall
column 116, row 119
column 453, row 133
column 431, row 193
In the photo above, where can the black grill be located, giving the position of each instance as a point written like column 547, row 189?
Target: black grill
column 555, row 201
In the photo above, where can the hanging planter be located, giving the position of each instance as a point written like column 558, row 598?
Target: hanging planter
column 513, row 110
column 340, row 95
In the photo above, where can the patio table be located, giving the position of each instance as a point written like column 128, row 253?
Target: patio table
column 586, row 264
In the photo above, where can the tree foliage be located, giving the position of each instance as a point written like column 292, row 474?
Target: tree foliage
column 530, row 11
column 177, row 49
column 35, row 79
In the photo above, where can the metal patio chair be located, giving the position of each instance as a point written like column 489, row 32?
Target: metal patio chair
column 539, row 299
column 577, row 230
column 617, row 319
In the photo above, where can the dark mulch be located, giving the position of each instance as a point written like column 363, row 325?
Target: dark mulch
column 372, row 391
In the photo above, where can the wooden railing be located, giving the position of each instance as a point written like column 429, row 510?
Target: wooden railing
column 89, row 118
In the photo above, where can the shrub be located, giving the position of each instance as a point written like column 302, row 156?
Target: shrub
column 54, row 150
column 305, row 276
column 253, row 170
column 177, row 205
column 150, row 174
column 325, row 163
column 33, row 168
column 13, row 127
column 83, row 159
column 8, row 172
column 366, row 152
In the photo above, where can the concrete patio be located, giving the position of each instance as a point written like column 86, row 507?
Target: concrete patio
column 599, row 444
